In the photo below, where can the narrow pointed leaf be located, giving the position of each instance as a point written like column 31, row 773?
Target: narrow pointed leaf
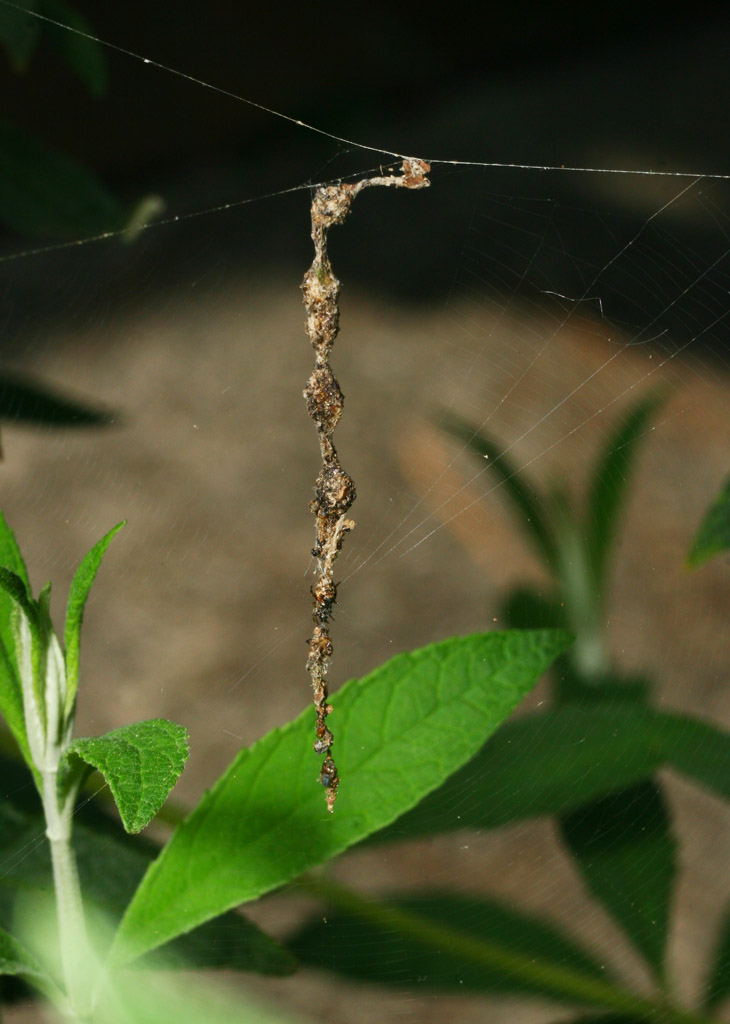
column 713, row 534
column 140, row 763
column 717, row 988
column 11, row 694
column 521, row 947
column 16, row 588
column 400, row 732
column 609, row 483
column 10, row 556
column 576, row 754
column 28, row 622
column 24, row 401
column 79, row 592
column 624, row 849
column 83, row 55
column 535, row 519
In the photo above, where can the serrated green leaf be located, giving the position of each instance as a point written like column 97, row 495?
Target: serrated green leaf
column 713, row 534
column 83, row 54
column 45, row 193
column 23, row 401
column 140, row 764
column 351, row 946
column 19, row 32
column 11, row 692
column 610, row 478
column 400, row 731
column 625, row 850
column 526, row 501
column 80, row 586
column 717, row 987
column 576, row 754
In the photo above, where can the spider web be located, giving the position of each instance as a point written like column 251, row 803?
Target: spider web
column 548, row 300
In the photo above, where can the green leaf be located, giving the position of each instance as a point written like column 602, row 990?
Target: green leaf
column 367, row 951
column 29, row 621
column 539, row 765
column 576, row 754
column 10, row 556
column 140, row 763
column 80, row 586
column 111, row 865
column 17, row 960
column 19, row 32
column 713, row 535
column 611, row 474
column 45, row 193
column 22, row 401
column 625, row 851
column 698, row 750
column 401, row 731
column 717, row 988
column 526, row 501
column 230, row 941
column 83, row 55
column 11, row 693
column 16, row 588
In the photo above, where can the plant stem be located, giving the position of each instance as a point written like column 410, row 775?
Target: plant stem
column 72, row 938
column 562, row 982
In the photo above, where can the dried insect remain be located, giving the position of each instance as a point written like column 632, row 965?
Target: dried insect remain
column 334, row 490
